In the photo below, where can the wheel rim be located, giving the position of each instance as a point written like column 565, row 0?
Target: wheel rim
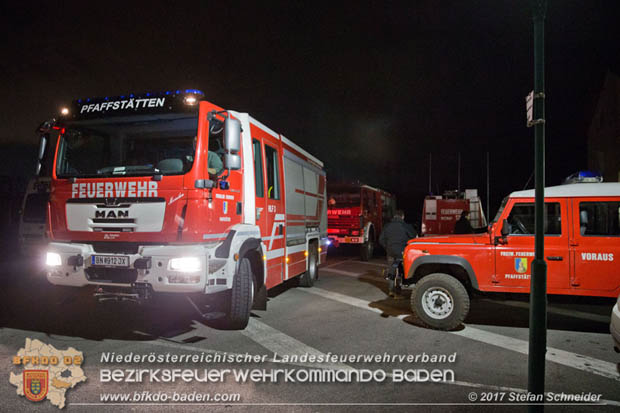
column 252, row 292
column 312, row 268
column 437, row 303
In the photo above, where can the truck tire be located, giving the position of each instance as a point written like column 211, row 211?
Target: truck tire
column 241, row 297
column 312, row 273
column 440, row 301
column 367, row 249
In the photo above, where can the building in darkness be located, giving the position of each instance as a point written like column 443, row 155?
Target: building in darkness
column 604, row 131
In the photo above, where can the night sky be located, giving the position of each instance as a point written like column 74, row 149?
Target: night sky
column 369, row 88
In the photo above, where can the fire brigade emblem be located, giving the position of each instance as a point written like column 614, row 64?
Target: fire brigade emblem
column 521, row 265
column 35, row 384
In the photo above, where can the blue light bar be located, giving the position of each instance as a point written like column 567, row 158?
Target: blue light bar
column 583, row 177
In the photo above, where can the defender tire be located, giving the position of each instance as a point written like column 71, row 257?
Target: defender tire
column 308, row 278
column 241, row 297
column 440, row 301
column 367, row 249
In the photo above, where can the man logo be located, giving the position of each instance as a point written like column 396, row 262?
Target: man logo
column 35, row 384
column 112, row 214
column 521, row 265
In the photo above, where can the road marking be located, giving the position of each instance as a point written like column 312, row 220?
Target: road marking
column 347, row 299
column 337, row 263
column 343, row 272
column 371, row 263
column 278, row 342
column 358, row 275
column 556, row 310
column 566, row 358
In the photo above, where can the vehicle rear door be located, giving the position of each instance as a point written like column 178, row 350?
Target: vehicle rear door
column 595, row 245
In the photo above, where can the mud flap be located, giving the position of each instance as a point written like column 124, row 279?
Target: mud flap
column 260, row 299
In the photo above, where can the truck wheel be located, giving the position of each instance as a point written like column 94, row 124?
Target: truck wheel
column 440, row 301
column 241, row 297
column 310, row 276
column 366, row 250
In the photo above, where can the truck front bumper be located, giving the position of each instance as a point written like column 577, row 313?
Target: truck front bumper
column 346, row 240
column 151, row 265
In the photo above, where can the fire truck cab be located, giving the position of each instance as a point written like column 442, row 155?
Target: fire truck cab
column 167, row 192
column 356, row 215
column 582, row 250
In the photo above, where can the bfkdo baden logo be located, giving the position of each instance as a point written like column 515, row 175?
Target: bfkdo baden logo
column 47, row 372
column 35, row 384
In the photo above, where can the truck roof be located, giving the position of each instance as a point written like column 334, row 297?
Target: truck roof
column 574, row 190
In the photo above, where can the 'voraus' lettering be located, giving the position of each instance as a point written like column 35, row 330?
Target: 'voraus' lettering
column 600, row 256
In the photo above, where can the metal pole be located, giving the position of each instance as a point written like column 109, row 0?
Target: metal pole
column 458, row 185
column 430, row 172
column 488, row 189
column 538, row 285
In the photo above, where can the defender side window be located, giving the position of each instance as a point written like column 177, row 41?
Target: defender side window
column 599, row 219
column 522, row 218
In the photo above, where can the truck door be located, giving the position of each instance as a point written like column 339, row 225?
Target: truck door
column 595, row 244
column 275, row 236
column 513, row 260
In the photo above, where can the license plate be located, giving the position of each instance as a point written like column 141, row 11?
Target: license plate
column 110, row 260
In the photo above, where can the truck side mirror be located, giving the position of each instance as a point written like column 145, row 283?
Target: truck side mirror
column 232, row 161
column 41, row 154
column 232, row 135
column 506, row 228
column 42, row 145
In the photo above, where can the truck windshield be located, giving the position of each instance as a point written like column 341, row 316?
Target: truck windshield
column 344, row 199
column 132, row 146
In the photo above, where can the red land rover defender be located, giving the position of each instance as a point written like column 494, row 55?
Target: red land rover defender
column 582, row 251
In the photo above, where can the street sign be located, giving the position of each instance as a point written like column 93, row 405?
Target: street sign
column 529, row 107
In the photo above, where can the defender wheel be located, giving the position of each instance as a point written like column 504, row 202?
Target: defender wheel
column 440, row 301
column 367, row 249
column 310, row 276
column 241, row 297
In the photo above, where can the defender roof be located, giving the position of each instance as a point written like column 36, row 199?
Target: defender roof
column 574, row 190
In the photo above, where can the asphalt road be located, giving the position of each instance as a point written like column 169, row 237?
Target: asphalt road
column 347, row 312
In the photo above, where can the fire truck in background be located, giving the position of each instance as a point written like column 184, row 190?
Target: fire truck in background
column 441, row 212
column 356, row 215
column 166, row 192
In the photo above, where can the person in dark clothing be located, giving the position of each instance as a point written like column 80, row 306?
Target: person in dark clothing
column 463, row 226
column 394, row 239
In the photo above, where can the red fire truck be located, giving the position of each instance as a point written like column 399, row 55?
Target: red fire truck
column 441, row 212
column 356, row 215
column 166, row 192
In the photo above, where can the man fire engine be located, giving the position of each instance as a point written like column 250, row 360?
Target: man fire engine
column 136, row 206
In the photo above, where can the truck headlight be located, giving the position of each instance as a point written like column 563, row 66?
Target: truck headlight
column 185, row 264
column 53, row 259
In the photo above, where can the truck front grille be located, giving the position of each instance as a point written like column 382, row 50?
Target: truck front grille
column 343, row 224
column 111, row 275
